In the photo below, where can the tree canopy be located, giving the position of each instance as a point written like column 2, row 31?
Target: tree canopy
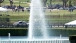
column 1, row 2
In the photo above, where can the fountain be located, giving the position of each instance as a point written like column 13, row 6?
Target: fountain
column 37, row 20
column 37, row 25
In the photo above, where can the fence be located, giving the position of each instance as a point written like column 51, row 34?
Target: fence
column 36, row 41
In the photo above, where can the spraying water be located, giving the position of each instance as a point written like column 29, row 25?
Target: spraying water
column 37, row 20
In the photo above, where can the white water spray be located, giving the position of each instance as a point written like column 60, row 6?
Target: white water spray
column 37, row 19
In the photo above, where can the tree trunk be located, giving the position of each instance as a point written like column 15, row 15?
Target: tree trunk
column 44, row 3
column 70, row 5
column 50, row 2
column 65, row 3
column 0, row 4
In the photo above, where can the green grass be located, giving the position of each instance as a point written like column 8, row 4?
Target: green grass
column 60, row 12
column 16, row 2
column 23, row 2
column 53, row 16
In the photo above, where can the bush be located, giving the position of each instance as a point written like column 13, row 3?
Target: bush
column 14, row 32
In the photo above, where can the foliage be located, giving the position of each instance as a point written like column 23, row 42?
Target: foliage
column 1, row 2
column 13, row 31
column 44, row 2
column 70, row 4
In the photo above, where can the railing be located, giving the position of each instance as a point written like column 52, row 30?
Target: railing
column 36, row 41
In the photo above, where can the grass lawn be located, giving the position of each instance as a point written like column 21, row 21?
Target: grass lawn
column 61, row 28
column 25, row 4
column 16, row 2
column 61, row 16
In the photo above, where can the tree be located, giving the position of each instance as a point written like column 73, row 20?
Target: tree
column 74, row 2
column 11, row 2
column 70, row 4
column 1, row 1
column 65, row 3
column 44, row 3
column 50, row 2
